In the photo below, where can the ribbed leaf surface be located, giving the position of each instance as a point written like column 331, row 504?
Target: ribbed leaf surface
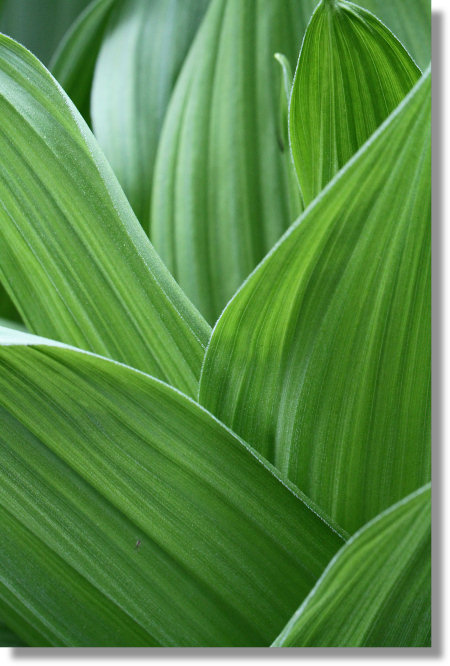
column 322, row 359
column 352, row 72
column 131, row 503
column 73, row 256
column 376, row 592
column 142, row 52
column 222, row 193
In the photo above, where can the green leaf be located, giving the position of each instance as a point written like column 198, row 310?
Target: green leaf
column 144, row 47
column 410, row 21
column 8, row 638
column 322, row 359
column 74, row 257
column 7, row 308
column 376, row 592
column 222, row 192
column 73, row 63
column 149, row 506
column 38, row 24
column 351, row 73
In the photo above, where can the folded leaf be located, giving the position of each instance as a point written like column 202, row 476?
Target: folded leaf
column 38, row 24
column 351, row 73
column 222, row 194
column 322, row 359
column 74, row 257
column 148, row 503
column 409, row 21
column 144, row 47
column 376, row 592
column 73, row 63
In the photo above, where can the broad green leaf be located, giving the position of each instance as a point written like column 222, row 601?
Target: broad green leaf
column 322, row 359
column 74, row 258
column 222, row 193
column 144, row 47
column 376, row 592
column 410, row 21
column 74, row 61
column 148, row 504
column 8, row 638
column 351, row 73
column 38, row 24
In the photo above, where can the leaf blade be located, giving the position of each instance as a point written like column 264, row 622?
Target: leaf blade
column 142, row 52
column 74, row 258
column 328, row 380
column 376, row 592
column 219, row 531
column 351, row 74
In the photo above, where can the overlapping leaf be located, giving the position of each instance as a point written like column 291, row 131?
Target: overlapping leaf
column 322, row 359
column 73, row 256
column 222, row 193
column 352, row 72
column 96, row 458
column 74, row 61
column 142, row 52
column 409, row 21
column 376, row 592
column 38, row 24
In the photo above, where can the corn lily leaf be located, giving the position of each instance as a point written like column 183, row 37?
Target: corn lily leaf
column 352, row 72
column 28, row 22
column 376, row 592
column 7, row 308
column 74, row 258
column 74, row 61
column 153, row 510
column 144, row 47
column 409, row 21
column 8, row 638
column 322, row 359
column 222, row 192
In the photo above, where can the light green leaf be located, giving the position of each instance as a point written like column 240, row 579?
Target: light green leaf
column 149, row 506
column 74, row 61
column 322, row 359
column 144, row 47
column 222, row 192
column 38, row 24
column 74, row 257
column 376, row 592
column 410, row 21
column 351, row 73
